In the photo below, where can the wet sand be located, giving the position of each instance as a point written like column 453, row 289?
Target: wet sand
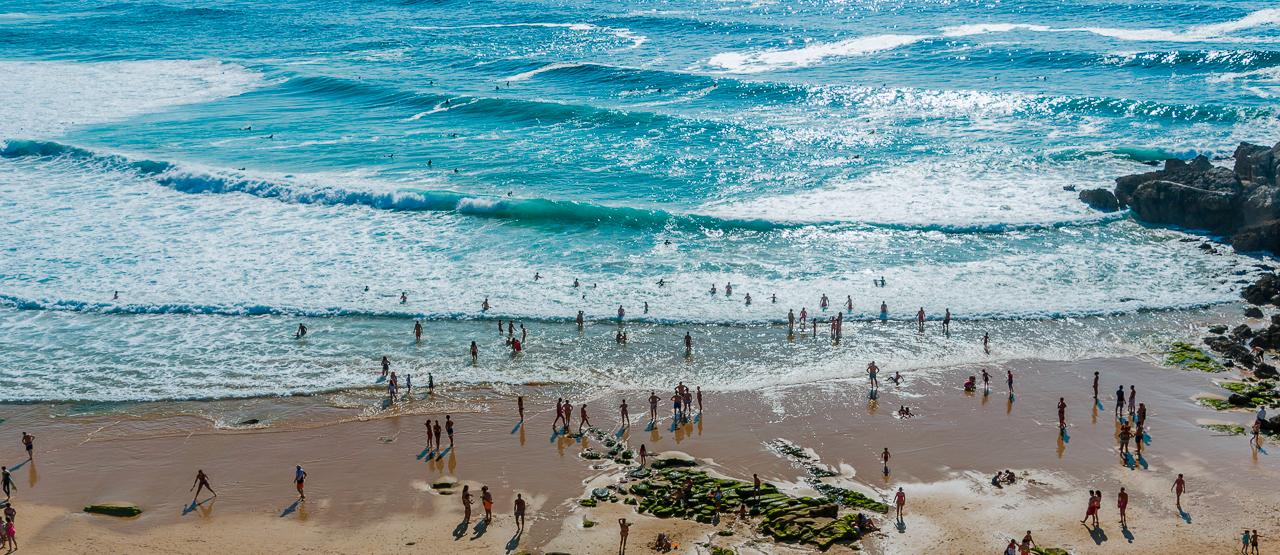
column 369, row 478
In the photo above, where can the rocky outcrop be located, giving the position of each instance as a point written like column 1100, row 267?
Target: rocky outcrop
column 1242, row 202
column 1100, row 199
column 1265, row 290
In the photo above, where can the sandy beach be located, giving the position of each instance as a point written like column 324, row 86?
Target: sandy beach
column 369, row 485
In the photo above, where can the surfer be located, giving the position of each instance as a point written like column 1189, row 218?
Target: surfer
column 302, row 331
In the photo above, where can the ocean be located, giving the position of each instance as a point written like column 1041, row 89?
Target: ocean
column 234, row 169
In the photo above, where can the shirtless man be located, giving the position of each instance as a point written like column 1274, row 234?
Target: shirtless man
column 748, row 299
column 871, row 372
column 946, row 322
column 302, row 331
column 519, row 512
column 688, row 342
column 559, row 414
column 899, row 500
column 585, row 421
column 448, row 429
column 485, row 305
column 486, row 499
column 848, row 303
column 202, row 480
column 884, row 457
column 568, row 415
column 417, row 330
column 404, row 297
column 1122, row 501
column 676, row 400
column 28, row 441
column 1062, row 413
column 884, row 311
column 699, row 399
column 804, row 313
column 986, row 379
column 653, row 405
column 1120, row 401
column 1178, row 487
column 920, row 318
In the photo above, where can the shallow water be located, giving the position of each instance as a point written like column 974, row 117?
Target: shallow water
column 233, row 169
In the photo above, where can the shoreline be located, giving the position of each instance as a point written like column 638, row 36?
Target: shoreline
column 943, row 456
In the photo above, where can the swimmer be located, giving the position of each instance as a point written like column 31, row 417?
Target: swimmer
column 302, row 331
column 417, row 330
column 748, row 299
column 475, row 352
column 775, row 298
column 661, row 282
column 646, row 307
column 575, row 282
column 728, row 290
column 823, row 303
column 485, row 305
column 386, row 366
column 404, row 297
column 536, row 276
column 688, row 342
column 920, row 318
column 713, row 289
column 116, row 297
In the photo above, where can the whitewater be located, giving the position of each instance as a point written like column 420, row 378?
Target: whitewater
column 229, row 188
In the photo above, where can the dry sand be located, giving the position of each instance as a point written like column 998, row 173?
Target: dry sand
column 369, row 480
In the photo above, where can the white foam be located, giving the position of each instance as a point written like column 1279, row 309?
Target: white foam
column 757, row 61
column 44, row 99
column 984, row 28
column 546, row 68
column 626, row 34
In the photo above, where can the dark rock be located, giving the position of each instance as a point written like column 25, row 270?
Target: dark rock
column 1272, row 424
column 1265, row 371
column 1238, row 399
column 1253, row 312
column 1264, row 291
column 1100, row 199
column 1218, row 329
column 1266, row 338
column 1242, row 332
column 1257, row 164
column 1230, row 348
column 1257, row 238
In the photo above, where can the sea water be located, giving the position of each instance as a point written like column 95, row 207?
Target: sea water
column 234, row 169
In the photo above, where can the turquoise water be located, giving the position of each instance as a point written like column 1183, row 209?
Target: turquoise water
column 236, row 168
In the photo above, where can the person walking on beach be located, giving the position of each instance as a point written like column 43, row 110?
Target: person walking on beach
column 871, row 373
column 475, row 352
column 699, row 399
column 585, row 421
column 202, row 480
column 1119, row 401
column 299, row 476
column 386, row 366
column 626, row 418
column 448, row 428
column 559, row 414
column 520, row 406
column 1178, row 487
column 1122, row 501
column 1009, row 381
column 946, row 322
column 519, row 512
column 6, row 480
column 1095, row 386
column 568, row 415
column 884, row 458
column 1062, row 413
column 653, row 405
column 28, row 441
column 986, row 380
column 466, row 504
column 624, row 528
column 920, row 318
column 486, row 499
column 899, row 500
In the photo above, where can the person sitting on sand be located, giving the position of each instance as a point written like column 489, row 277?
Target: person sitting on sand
column 662, row 543
column 1008, row 478
column 995, row 480
column 970, row 385
column 865, row 525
